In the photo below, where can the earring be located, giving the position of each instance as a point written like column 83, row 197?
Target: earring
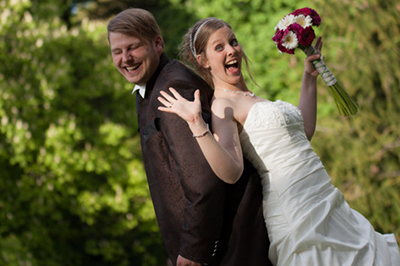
column 207, row 66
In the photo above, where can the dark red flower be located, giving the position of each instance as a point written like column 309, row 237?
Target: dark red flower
column 284, row 49
column 278, row 36
column 306, row 36
column 302, row 11
column 316, row 19
column 296, row 28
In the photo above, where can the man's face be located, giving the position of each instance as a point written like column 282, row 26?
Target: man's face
column 135, row 59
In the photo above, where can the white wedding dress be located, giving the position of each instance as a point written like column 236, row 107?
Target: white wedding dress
column 308, row 220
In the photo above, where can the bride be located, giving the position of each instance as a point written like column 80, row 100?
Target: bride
column 308, row 220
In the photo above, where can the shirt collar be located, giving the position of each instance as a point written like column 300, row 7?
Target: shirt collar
column 141, row 89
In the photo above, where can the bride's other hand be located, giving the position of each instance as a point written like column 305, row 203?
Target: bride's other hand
column 176, row 104
column 309, row 67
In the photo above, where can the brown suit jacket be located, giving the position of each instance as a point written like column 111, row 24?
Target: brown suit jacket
column 200, row 217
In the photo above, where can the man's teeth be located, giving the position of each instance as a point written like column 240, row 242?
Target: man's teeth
column 131, row 68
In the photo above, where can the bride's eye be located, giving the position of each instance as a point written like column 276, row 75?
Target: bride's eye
column 234, row 42
column 218, row 48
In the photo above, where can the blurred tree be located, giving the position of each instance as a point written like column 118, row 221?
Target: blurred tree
column 72, row 186
column 104, row 9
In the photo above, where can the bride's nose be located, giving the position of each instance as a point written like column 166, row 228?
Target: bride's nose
column 231, row 50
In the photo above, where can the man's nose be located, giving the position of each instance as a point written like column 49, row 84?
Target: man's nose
column 126, row 56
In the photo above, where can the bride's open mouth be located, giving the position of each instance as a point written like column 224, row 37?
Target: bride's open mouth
column 232, row 65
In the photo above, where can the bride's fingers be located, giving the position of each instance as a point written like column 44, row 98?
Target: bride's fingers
column 197, row 96
column 313, row 57
column 318, row 44
column 168, row 97
column 175, row 93
column 165, row 109
column 164, row 102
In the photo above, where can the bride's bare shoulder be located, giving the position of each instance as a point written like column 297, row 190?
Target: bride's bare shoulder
column 220, row 104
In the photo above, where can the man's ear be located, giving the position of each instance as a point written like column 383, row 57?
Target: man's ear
column 159, row 44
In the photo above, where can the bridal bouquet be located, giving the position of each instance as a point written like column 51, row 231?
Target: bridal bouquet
column 295, row 30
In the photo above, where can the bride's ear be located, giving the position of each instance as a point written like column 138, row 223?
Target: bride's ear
column 202, row 61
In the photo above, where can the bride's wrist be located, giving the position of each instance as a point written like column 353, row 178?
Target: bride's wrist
column 196, row 120
column 198, row 127
column 204, row 133
column 310, row 75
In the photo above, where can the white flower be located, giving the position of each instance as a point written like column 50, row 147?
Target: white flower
column 285, row 22
column 303, row 21
column 290, row 41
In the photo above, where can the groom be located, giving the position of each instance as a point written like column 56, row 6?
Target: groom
column 202, row 220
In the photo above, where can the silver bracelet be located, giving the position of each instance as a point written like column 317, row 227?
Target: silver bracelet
column 203, row 134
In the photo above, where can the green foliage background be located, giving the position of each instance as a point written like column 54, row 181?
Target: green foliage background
column 72, row 186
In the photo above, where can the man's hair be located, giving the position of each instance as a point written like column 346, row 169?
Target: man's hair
column 135, row 22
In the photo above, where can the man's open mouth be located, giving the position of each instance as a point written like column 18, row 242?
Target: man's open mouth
column 132, row 68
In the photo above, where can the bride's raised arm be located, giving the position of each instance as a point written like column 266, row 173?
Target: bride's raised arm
column 308, row 94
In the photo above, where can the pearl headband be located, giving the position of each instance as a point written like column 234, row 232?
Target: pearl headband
column 192, row 48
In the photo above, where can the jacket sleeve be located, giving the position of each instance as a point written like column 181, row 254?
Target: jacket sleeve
column 203, row 190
